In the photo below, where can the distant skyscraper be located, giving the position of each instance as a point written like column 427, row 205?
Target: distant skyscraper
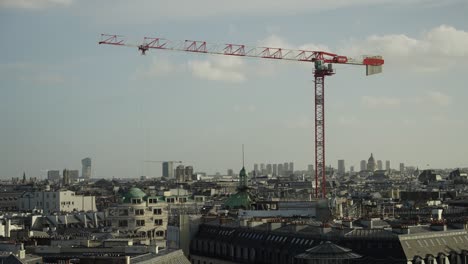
column 180, row 173
column 402, row 168
column 53, row 175
column 86, row 168
column 262, row 168
column 310, row 169
column 387, row 165
column 280, row 170
column 363, row 165
column 269, row 169
column 285, row 168
column 66, row 177
column 379, row 165
column 275, row 169
column 74, row 175
column 341, row 167
column 291, row 166
column 256, row 168
column 371, row 163
column 230, row 172
column 188, row 173
column 168, row 169
column 351, row 169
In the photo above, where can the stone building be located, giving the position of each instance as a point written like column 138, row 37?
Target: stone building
column 55, row 201
column 140, row 215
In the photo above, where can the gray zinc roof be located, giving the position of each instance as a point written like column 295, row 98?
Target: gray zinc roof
column 430, row 243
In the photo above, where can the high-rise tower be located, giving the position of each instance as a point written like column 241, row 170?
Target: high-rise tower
column 341, row 167
column 379, row 165
column 168, row 169
column 86, row 168
column 363, row 165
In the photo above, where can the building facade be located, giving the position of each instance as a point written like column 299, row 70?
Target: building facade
column 56, row 201
column 53, row 176
column 341, row 167
column 141, row 215
column 168, row 169
column 363, row 166
column 86, row 168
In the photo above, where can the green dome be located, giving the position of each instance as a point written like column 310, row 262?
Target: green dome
column 133, row 193
column 240, row 200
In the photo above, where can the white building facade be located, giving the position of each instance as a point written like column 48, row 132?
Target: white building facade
column 56, row 201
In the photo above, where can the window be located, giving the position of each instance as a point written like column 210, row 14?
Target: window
column 140, row 222
column 136, row 201
column 159, row 233
column 158, row 221
column 153, row 200
column 157, row 211
column 123, row 223
column 123, row 212
column 170, row 200
column 140, row 212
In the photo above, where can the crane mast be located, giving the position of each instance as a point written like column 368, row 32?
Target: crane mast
column 322, row 67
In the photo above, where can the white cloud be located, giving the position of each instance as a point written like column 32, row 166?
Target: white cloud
column 437, row 49
column 159, row 67
column 228, row 69
column 33, row 4
column 439, row 98
column 430, row 98
column 380, row 102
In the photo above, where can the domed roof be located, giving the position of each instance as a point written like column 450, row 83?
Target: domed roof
column 133, row 193
column 371, row 159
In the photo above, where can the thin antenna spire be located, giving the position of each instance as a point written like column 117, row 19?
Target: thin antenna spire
column 242, row 155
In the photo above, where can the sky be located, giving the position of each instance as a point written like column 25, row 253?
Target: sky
column 63, row 97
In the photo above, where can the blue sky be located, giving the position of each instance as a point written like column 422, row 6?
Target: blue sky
column 63, row 97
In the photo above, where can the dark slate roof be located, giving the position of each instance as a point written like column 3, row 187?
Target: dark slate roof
column 371, row 233
column 429, row 243
column 328, row 250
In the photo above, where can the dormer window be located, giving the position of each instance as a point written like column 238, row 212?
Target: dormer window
column 136, row 200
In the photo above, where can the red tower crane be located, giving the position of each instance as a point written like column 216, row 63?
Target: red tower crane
column 322, row 67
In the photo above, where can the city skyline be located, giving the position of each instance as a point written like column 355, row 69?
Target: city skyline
column 63, row 97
